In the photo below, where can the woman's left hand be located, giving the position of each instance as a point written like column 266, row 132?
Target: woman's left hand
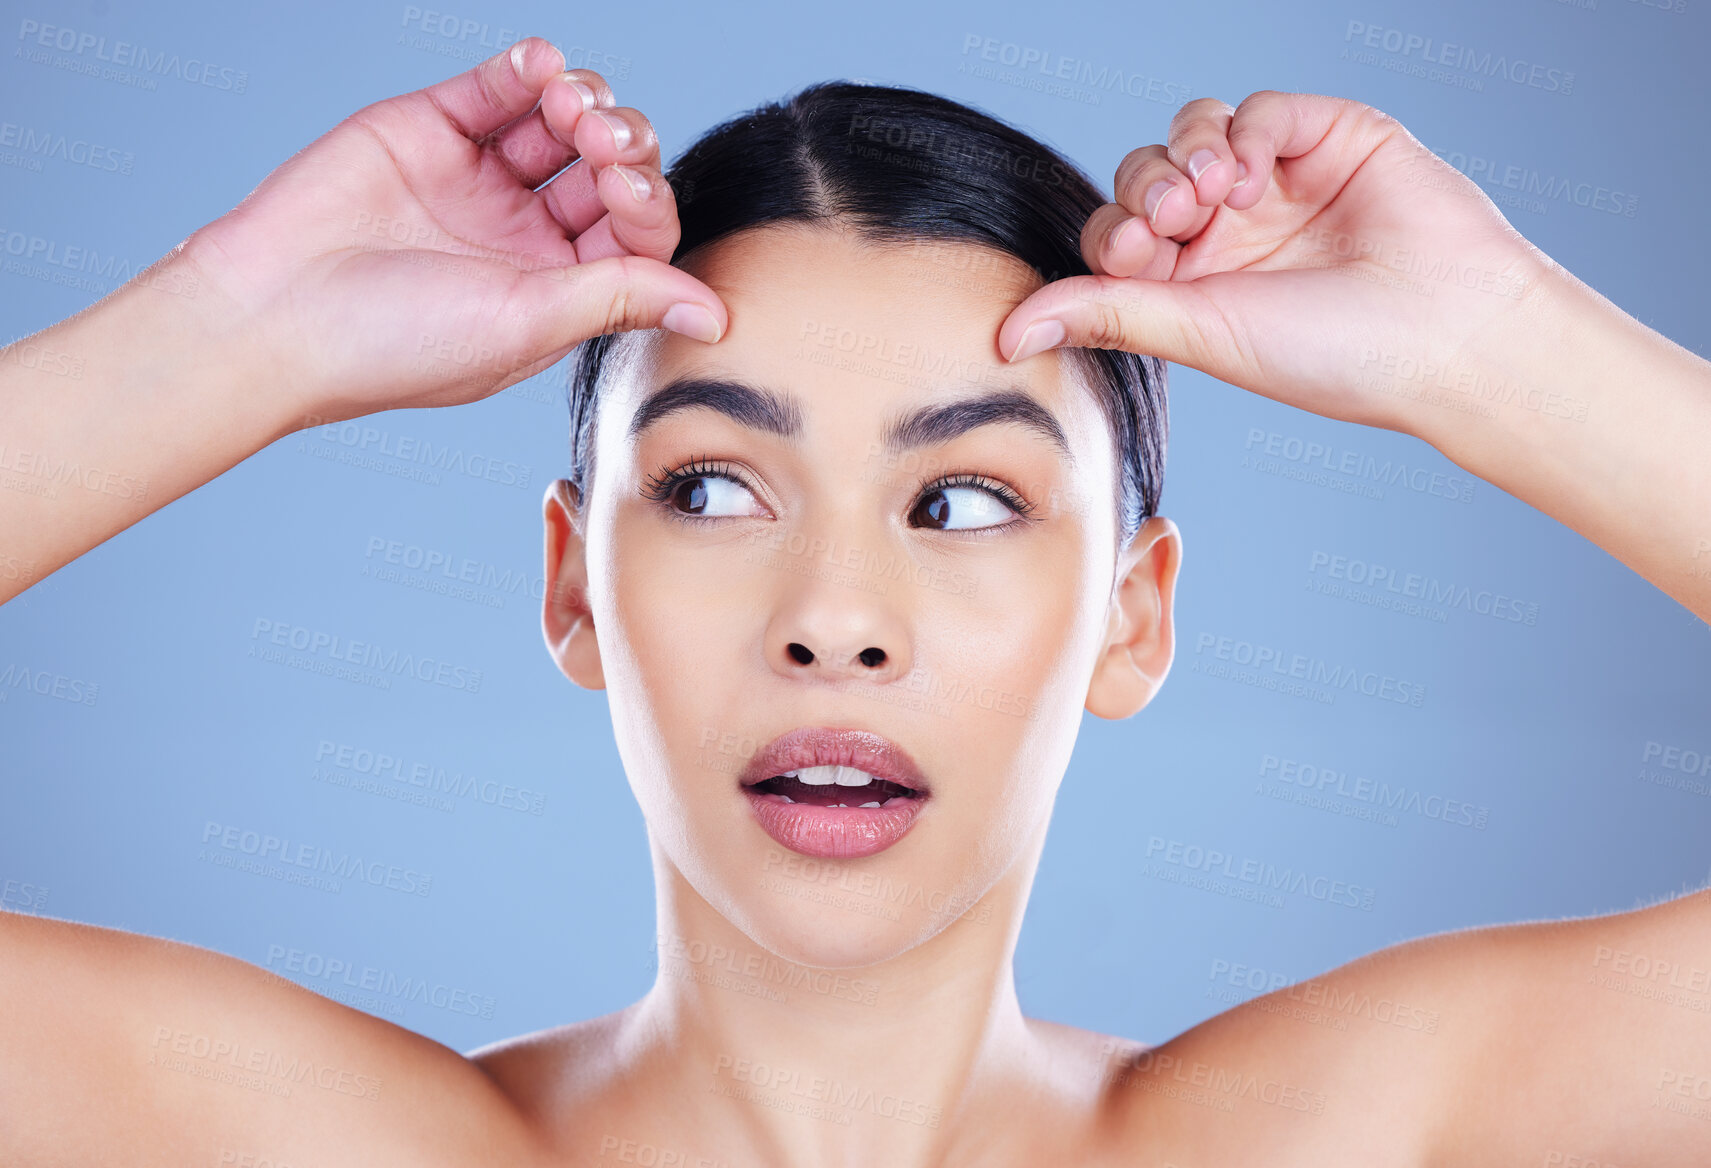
column 1351, row 269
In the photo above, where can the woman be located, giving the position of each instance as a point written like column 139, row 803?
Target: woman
column 801, row 573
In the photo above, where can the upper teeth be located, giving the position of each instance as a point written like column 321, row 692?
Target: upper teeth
column 820, row 776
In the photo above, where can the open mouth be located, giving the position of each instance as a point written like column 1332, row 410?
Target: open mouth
column 834, row 792
column 834, row 786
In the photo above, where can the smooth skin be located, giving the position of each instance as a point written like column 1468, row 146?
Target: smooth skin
column 1532, row 1056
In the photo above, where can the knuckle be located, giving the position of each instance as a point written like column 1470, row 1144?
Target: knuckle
column 1205, row 329
column 627, row 307
column 1258, row 106
column 603, row 97
column 1106, row 327
column 1267, row 99
column 1126, row 168
column 620, row 311
column 533, row 44
column 1198, row 110
column 1137, row 164
column 1379, row 118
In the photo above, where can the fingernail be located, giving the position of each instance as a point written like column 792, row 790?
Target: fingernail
column 1241, row 175
column 640, row 187
column 691, row 320
column 519, row 51
column 620, row 129
column 1037, row 338
column 582, row 91
column 1120, row 233
column 1155, row 196
column 1198, row 162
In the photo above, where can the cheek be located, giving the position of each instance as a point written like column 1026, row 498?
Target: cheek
column 1027, row 628
column 1009, row 671
column 675, row 626
column 679, row 647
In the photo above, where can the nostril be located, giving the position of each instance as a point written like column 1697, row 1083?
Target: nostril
column 872, row 657
column 801, row 654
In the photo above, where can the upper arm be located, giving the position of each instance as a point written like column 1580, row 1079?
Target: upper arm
column 119, row 1047
column 1596, row 1043
column 1348, row 1067
column 1581, row 1042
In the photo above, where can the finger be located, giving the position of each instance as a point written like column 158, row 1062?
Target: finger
column 1260, row 127
column 1270, row 126
column 542, row 142
column 500, row 89
column 573, row 196
column 619, row 134
column 560, row 116
column 573, row 200
column 1200, row 149
column 642, row 220
column 639, row 195
column 1173, row 320
column 1116, row 243
column 569, row 305
column 1150, row 185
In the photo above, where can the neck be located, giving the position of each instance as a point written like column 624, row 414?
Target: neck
column 889, row 1062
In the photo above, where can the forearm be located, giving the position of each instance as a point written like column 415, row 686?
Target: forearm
column 1601, row 423
column 115, row 412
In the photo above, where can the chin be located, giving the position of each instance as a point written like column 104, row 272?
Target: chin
column 833, row 937
column 837, row 913
column 828, row 843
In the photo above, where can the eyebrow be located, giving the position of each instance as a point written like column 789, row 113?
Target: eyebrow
column 780, row 412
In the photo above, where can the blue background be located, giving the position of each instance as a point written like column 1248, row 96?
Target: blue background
column 547, row 918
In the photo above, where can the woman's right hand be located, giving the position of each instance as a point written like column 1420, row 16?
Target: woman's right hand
column 1353, row 252
column 406, row 259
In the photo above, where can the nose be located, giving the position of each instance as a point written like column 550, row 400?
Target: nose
column 830, row 630
column 872, row 657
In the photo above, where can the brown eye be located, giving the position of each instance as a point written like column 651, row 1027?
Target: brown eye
column 960, row 509
column 691, row 496
column 713, row 495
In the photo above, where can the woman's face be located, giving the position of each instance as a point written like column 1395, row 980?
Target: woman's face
column 890, row 530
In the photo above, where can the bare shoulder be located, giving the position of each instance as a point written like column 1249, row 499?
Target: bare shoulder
column 136, row 1047
column 584, row 1090
column 1495, row 1045
column 547, row 1074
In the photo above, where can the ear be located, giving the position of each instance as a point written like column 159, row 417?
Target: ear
column 567, row 622
column 1140, row 634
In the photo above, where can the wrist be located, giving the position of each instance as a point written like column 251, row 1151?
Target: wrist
column 1536, row 383
column 173, row 337
column 111, row 414
column 1625, row 472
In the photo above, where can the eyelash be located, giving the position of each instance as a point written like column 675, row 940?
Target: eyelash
column 660, row 486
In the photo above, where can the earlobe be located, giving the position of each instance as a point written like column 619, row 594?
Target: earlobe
column 567, row 621
column 1140, row 638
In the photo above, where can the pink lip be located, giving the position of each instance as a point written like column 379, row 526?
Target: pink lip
column 834, row 832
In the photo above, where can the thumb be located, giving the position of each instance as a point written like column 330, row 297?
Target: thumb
column 1172, row 320
column 619, row 294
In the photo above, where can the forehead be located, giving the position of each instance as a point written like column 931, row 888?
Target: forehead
column 852, row 326
column 774, row 265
